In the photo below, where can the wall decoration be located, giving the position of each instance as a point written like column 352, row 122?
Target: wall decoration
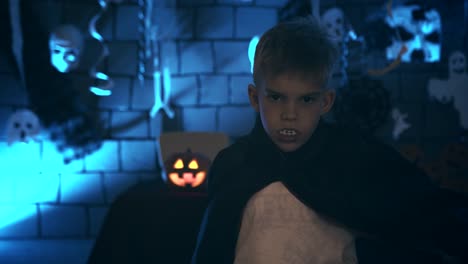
column 187, row 169
column 419, row 29
column 399, row 123
column 364, row 103
column 65, row 44
column 23, row 126
column 103, row 83
column 454, row 89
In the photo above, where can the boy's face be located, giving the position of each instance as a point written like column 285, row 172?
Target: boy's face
column 290, row 108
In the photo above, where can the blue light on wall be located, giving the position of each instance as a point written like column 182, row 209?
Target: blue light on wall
column 31, row 175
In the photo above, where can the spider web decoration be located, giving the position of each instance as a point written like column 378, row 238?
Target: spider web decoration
column 364, row 104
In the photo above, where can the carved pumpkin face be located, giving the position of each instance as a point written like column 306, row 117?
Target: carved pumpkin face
column 187, row 170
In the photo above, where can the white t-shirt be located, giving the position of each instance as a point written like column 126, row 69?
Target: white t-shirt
column 277, row 228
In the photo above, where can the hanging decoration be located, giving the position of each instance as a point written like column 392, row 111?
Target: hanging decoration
column 341, row 33
column 144, row 24
column 103, row 83
column 251, row 52
column 17, row 36
column 161, row 79
column 455, row 88
column 364, row 104
column 419, row 30
column 23, row 126
column 399, row 123
column 65, row 44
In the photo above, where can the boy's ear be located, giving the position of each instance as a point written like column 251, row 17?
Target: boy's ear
column 253, row 97
column 328, row 100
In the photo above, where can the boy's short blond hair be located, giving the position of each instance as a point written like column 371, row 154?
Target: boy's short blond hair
column 300, row 46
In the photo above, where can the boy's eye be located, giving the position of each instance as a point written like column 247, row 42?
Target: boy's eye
column 274, row 97
column 309, row 99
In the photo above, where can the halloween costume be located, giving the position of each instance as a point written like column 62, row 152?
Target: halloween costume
column 399, row 216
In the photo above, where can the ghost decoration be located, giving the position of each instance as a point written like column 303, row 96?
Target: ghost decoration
column 455, row 89
column 65, row 45
column 419, row 30
column 399, row 123
column 23, row 126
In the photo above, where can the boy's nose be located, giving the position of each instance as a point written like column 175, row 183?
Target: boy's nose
column 289, row 112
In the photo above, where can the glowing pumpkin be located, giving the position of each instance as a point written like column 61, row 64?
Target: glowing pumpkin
column 187, row 170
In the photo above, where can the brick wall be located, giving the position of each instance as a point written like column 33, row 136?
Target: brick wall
column 56, row 210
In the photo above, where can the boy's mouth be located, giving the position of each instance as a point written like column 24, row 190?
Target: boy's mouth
column 289, row 132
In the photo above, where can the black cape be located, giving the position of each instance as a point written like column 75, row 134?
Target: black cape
column 398, row 214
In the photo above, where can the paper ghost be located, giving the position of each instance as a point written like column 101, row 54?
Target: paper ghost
column 23, row 126
column 455, row 88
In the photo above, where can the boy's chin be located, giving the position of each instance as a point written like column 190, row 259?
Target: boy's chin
column 288, row 146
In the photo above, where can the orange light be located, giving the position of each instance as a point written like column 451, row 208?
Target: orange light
column 193, row 165
column 179, row 164
column 199, row 179
column 174, row 177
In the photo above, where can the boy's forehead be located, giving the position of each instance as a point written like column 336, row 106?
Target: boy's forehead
column 292, row 82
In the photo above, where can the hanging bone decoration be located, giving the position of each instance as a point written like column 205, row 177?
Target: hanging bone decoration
column 23, row 126
column 455, row 88
column 161, row 80
column 419, row 30
column 399, row 123
column 103, row 83
column 65, row 44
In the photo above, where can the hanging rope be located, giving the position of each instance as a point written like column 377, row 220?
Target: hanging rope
column 103, row 82
column 142, row 30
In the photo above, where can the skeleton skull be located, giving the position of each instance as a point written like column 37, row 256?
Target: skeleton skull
column 22, row 126
column 419, row 30
column 65, row 45
column 457, row 64
column 333, row 19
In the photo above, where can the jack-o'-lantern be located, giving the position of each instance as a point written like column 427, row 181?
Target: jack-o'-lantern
column 187, row 170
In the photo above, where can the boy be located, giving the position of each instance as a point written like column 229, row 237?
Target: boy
column 300, row 190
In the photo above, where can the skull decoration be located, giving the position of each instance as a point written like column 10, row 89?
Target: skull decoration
column 419, row 30
column 22, row 126
column 65, row 46
column 333, row 19
column 187, row 170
